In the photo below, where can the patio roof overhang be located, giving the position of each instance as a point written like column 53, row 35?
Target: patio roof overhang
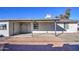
column 39, row 20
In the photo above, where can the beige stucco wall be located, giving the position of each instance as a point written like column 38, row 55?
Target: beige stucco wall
column 26, row 27
column 72, row 27
column 49, row 28
column 44, row 27
column 14, row 28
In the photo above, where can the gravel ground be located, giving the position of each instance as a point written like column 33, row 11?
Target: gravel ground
column 70, row 37
column 43, row 39
column 65, row 47
column 34, row 40
column 1, row 47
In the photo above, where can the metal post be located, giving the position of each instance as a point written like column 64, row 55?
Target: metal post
column 13, row 28
column 32, row 34
column 32, row 28
column 55, row 27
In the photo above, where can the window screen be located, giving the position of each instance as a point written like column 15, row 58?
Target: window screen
column 35, row 25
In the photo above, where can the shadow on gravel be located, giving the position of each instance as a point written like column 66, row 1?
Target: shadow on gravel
column 49, row 47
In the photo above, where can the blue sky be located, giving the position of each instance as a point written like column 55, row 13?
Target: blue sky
column 36, row 12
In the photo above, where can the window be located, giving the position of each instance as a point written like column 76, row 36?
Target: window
column 3, row 27
column 66, row 26
column 35, row 26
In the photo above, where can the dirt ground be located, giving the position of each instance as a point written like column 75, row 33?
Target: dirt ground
column 41, row 39
column 33, row 41
column 70, row 37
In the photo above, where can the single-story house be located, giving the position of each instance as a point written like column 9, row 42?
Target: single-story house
column 10, row 27
column 78, row 25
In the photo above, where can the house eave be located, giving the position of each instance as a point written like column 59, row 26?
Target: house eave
column 38, row 20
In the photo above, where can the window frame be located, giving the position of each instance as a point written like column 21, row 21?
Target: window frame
column 3, row 26
column 35, row 26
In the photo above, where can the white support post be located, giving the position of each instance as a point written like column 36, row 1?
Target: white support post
column 55, row 27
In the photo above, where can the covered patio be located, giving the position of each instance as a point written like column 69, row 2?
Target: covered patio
column 32, row 28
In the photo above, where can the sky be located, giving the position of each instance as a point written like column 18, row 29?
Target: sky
column 36, row 12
